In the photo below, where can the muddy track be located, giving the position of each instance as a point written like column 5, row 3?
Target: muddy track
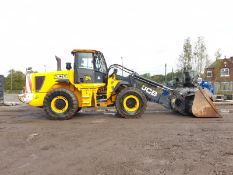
column 160, row 142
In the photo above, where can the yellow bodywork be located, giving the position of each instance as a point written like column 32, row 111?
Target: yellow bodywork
column 86, row 93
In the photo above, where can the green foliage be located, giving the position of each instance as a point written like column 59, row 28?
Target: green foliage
column 171, row 76
column 15, row 80
column 196, row 60
column 146, row 75
column 158, row 78
column 161, row 78
column 200, row 56
column 185, row 58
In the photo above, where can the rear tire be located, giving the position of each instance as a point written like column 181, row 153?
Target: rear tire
column 131, row 103
column 60, row 104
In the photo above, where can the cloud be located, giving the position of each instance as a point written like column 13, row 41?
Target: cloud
column 147, row 34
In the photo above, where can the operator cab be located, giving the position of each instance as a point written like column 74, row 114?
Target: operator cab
column 89, row 66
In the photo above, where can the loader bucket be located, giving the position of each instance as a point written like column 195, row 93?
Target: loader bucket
column 203, row 105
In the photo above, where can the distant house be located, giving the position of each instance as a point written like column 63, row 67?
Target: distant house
column 220, row 75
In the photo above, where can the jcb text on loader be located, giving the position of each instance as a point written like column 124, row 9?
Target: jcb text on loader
column 90, row 83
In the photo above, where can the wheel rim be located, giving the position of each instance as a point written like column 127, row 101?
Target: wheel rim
column 59, row 104
column 131, row 103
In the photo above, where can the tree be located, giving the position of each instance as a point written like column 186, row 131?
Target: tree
column 158, row 78
column 218, row 54
column 15, row 80
column 200, row 56
column 185, row 58
column 146, row 75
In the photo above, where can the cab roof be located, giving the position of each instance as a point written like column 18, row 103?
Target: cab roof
column 83, row 50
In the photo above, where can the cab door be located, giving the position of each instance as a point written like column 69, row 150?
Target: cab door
column 100, row 68
column 84, row 67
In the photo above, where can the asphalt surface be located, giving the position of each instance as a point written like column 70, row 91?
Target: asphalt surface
column 100, row 143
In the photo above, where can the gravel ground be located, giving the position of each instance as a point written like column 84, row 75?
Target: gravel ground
column 100, row 143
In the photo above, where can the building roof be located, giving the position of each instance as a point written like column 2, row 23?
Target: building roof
column 219, row 61
column 214, row 64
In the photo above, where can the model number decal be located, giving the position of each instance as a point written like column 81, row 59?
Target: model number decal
column 149, row 91
column 61, row 76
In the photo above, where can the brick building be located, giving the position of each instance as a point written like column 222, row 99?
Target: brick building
column 220, row 75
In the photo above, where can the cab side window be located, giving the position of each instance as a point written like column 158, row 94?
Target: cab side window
column 100, row 65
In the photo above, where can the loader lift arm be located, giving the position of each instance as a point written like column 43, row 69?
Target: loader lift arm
column 150, row 88
column 135, row 76
column 180, row 99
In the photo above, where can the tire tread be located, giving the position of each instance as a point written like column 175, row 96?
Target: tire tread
column 118, row 105
column 63, row 116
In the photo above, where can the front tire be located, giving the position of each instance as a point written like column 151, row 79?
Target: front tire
column 131, row 103
column 60, row 104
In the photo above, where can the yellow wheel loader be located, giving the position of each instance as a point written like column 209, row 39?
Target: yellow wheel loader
column 90, row 83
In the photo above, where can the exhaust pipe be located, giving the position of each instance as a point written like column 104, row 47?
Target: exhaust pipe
column 58, row 63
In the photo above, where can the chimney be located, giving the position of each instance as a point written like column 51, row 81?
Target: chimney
column 231, row 59
column 58, row 63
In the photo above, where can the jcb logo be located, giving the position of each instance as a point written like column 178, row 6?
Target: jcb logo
column 149, row 91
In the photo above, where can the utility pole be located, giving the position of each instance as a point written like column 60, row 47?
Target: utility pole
column 11, row 77
column 165, row 73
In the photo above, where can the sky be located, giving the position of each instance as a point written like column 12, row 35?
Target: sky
column 147, row 34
